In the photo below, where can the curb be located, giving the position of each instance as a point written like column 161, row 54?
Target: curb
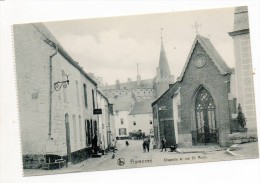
column 232, row 153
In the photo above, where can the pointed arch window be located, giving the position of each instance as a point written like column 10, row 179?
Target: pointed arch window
column 205, row 117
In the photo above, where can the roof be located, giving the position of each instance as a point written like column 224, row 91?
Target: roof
column 172, row 90
column 148, row 83
column 142, row 107
column 211, row 51
column 163, row 63
column 123, row 103
column 52, row 41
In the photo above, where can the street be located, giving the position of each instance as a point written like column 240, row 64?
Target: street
column 132, row 156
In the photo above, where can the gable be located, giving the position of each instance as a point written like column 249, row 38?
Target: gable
column 209, row 50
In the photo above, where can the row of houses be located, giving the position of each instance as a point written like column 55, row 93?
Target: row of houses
column 63, row 114
column 132, row 117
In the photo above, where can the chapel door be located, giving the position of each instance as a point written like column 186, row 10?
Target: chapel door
column 205, row 118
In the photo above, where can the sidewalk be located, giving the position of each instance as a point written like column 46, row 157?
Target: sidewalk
column 247, row 150
column 200, row 149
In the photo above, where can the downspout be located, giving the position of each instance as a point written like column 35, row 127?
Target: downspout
column 50, row 94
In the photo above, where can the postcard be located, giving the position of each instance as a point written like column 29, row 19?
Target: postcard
column 135, row 91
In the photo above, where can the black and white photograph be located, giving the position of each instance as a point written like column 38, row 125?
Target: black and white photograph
column 135, row 91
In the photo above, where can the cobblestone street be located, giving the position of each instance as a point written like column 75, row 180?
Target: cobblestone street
column 134, row 157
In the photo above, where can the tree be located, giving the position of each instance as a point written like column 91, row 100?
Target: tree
column 241, row 120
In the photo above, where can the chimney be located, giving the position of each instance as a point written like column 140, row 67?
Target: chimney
column 129, row 80
column 117, row 84
column 138, row 80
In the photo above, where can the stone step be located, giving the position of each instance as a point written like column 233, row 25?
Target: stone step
column 98, row 155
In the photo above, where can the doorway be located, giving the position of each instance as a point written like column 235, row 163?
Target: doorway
column 68, row 144
column 205, row 118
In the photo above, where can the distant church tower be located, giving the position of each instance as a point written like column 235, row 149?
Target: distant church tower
column 243, row 66
column 163, row 76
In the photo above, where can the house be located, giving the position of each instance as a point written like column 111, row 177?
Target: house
column 122, row 106
column 140, row 118
column 56, row 100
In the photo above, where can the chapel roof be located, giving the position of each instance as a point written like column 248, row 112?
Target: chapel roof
column 211, row 51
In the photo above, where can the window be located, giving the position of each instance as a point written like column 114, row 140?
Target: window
column 85, row 95
column 88, row 130
column 122, row 131
column 151, row 122
column 235, row 105
column 77, row 90
column 93, row 99
column 117, row 113
column 134, row 123
column 122, row 121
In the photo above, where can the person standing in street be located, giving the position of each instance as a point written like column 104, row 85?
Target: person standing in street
column 113, row 145
column 163, row 141
column 144, row 145
column 148, row 144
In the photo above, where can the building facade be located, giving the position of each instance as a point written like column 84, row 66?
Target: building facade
column 57, row 120
column 198, row 108
column 243, row 66
column 140, row 118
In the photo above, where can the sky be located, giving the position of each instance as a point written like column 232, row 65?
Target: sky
column 111, row 47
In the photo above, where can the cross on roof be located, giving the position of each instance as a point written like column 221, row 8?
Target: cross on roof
column 196, row 26
column 161, row 33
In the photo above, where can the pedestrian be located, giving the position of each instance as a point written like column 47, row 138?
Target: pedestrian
column 113, row 144
column 153, row 143
column 148, row 144
column 126, row 143
column 144, row 145
column 163, row 141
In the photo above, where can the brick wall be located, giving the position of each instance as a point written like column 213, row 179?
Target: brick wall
column 216, row 84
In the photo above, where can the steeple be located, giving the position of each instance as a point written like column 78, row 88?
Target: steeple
column 163, row 62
